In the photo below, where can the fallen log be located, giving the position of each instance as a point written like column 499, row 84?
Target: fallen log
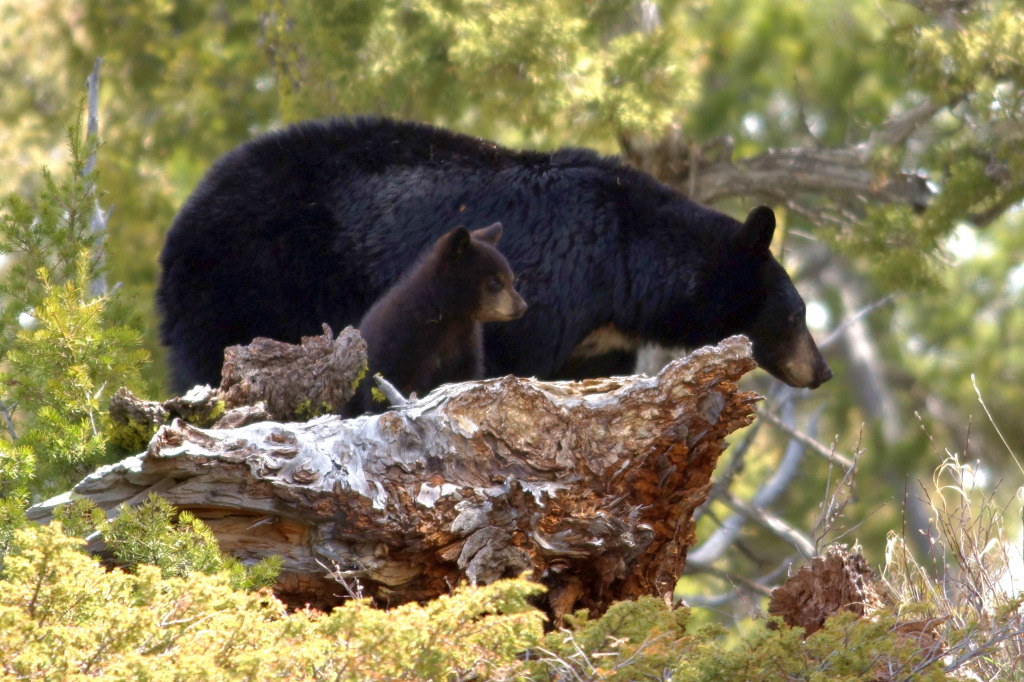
column 590, row 486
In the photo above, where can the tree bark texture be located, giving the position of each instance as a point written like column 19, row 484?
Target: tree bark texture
column 837, row 581
column 295, row 382
column 590, row 486
column 265, row 380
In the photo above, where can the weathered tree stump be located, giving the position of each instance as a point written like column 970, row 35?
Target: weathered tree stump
column 295, row 382
column 264, row 380
column 840, row 580
column 836, row 581
column 590, row 486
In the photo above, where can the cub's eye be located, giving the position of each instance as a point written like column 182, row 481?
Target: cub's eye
column 494, row 285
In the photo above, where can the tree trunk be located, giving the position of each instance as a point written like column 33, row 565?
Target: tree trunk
column 590, row 486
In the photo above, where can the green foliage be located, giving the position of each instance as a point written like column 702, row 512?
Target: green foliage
column 64, row 350
column 62, row 614
column 644, row 640
column 632, row 641
column 61, row 373
column 982, row 48
column 976, row 62
column 519, row 71
column 809, row 71
column 156, row 534
column 884, row 250
column 12, row 517
column 148, row 534
column 952, row 344
column 181, row 83
column 50, row 232
column 473, row 630
column 80, row 517
column 846, row 648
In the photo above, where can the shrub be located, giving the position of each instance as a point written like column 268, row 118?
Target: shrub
column 63, row 615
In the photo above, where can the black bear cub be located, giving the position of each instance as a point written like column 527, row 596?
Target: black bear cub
column 427, row 329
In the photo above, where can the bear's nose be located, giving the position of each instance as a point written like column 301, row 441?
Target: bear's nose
column 824, row 373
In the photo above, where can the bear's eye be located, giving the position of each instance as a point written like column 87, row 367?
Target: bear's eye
column 494, row 285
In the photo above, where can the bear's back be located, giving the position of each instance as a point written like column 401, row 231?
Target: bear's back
column 312, row 223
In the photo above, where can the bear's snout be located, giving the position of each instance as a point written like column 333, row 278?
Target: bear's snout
column 805, row 367
column 508, row 305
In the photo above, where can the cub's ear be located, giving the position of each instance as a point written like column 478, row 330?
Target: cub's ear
column 455, row 242
column 490, row 234
column 755, row 237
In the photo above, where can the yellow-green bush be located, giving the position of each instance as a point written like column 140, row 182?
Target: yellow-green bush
column 63, row 615
column 644, row 640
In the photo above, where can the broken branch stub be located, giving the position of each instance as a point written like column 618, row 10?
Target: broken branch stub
column 296, row 382
column 264, row 380
column 590, row 486
column 839, row 580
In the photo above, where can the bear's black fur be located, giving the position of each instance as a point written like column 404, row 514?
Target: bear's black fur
column 315, row 222
column 426, row 330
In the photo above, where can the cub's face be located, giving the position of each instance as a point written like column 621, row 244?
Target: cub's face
column 474, row 265
column 499, row 301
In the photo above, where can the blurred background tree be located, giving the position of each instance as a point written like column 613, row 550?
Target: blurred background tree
column 887, row 135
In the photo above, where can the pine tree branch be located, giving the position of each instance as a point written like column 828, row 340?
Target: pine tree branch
column 724, row 537
column 776, row 525
column 8, row 421
column 708, row 173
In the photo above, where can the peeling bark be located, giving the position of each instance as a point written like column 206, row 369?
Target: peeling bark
column 837, row 581
column 590, row 486
column 295, row 382
column 265, row 380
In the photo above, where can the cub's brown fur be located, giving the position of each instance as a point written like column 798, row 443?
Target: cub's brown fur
column 427, row 329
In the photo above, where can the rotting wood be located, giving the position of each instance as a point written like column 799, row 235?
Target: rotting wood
column 265, row 380
column 295, row 382
column 839, row 580
column 590, row 486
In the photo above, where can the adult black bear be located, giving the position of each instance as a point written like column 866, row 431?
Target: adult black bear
column 315, row 222
column 426, row 330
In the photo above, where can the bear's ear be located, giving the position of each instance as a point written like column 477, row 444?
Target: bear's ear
column 490, row 234
column 455, row 242
column 755, row 237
